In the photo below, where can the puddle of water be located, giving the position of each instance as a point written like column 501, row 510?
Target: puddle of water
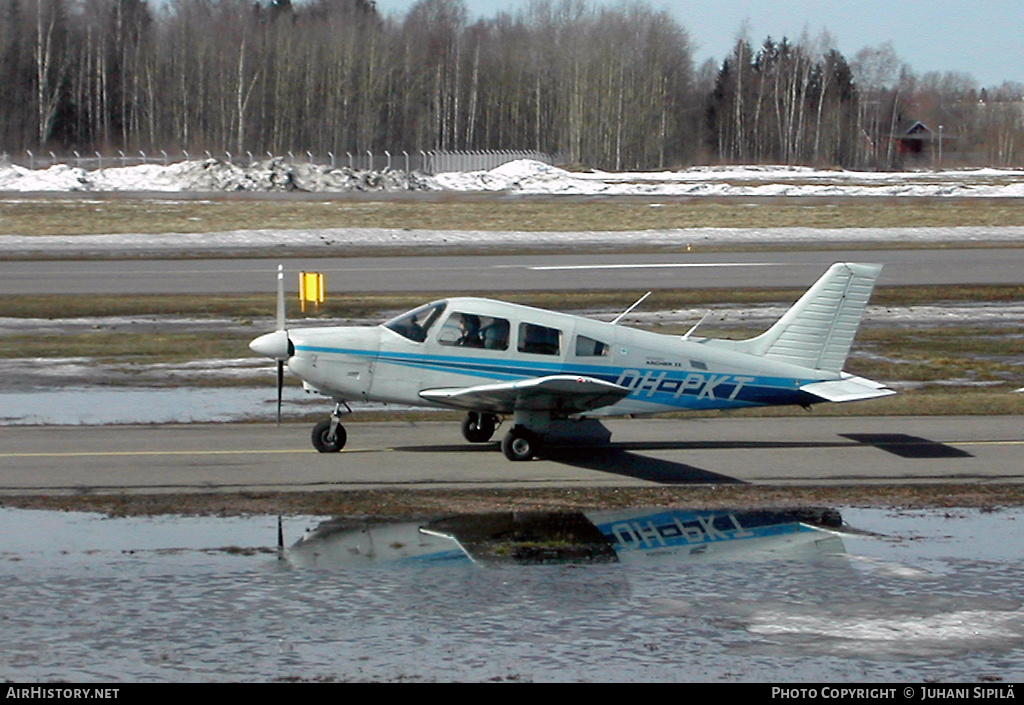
column 930, row 597
column 100, row 405
column 94, row 406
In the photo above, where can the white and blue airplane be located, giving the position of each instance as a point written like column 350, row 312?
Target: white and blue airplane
column 550, row 372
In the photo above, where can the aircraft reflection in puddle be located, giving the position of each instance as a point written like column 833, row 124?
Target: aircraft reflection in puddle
column 628, row 536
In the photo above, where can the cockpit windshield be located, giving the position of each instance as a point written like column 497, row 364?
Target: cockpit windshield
column 415, row 324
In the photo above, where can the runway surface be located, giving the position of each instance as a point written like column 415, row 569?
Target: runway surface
column 433, row 455
column 484, row 273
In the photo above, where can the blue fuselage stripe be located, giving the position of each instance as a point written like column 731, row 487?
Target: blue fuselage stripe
column 676, row 388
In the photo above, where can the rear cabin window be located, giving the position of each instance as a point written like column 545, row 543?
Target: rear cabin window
column 471, row 330
column 539, row 340
column 588, row 347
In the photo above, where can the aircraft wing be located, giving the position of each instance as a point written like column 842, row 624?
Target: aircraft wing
column 567, row 394
column 848, row 388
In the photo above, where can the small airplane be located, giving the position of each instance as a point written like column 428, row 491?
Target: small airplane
column 554, row 373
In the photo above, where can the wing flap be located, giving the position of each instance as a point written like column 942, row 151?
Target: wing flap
column 847, row 389
column 568, row 394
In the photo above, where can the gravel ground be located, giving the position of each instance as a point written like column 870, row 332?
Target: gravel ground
column 405, row 504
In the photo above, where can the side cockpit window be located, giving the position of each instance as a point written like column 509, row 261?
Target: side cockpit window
column 415, row 324
column 471, row 330
column 588, row 347
column 539, row 340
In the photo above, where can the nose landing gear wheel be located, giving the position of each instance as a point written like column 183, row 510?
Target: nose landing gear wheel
column 323, row 441
column 478, row 427
column 520, row 444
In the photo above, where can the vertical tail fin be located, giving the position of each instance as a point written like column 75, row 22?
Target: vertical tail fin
column 818, row 330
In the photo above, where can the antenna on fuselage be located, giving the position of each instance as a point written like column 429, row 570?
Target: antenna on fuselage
column 686, row 336
column 624, row 313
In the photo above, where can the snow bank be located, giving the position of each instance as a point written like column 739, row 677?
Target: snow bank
column 530, row 177
column 211, row 175
column 521, row 176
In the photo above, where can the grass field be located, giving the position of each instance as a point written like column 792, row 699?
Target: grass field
column 247, row 306
column 98, row 214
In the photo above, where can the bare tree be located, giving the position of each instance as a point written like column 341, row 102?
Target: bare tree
column 605, row 85
column 51, row 64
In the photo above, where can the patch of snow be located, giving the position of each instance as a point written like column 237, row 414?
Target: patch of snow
column 284, row 240
column 520, row 176
column 529, row 177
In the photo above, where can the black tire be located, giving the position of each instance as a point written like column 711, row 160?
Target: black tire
column 320, row 441
column 520, row 444
column 478, row 427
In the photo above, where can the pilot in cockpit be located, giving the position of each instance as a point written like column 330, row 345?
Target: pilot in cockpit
column 470, row 337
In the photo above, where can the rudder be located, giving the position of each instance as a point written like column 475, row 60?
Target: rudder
column 818, row 330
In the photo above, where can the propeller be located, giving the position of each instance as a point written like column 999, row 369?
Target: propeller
column 277, row 345
column 280, row 388
column 281, row 327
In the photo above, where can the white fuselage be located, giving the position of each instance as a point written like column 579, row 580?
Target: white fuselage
column 468, row 341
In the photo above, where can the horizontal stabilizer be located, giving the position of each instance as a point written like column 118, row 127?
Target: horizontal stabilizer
column 847, row 389
column 567, row 394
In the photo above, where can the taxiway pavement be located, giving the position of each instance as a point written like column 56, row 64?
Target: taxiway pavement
column 490, row 273
column 420, row 455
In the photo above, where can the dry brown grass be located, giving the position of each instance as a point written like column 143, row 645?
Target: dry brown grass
column 247, row 306
column 102, row 214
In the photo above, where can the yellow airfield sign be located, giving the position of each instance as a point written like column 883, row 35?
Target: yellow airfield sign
column 311, row 289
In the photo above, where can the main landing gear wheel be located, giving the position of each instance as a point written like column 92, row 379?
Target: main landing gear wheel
column 520, row 444
column 478, row 427
column 323, row 441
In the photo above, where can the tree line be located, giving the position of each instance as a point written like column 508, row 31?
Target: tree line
column 613, row 87
column 805, row 103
